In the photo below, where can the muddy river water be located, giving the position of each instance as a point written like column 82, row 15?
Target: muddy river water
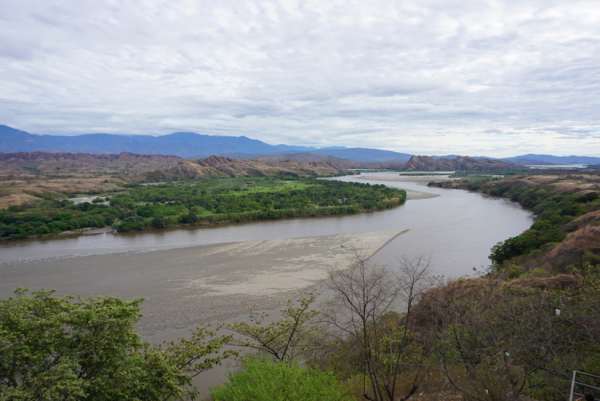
column 455, row 229
column 208, row 276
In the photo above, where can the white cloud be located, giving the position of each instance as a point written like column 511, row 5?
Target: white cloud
column 438, row 76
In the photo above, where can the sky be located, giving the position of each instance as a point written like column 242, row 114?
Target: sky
column 494, row 78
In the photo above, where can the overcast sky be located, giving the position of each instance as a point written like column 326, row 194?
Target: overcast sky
column 478, row 77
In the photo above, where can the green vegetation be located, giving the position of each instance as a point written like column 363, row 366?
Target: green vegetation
column 62, row 348
column 553, row 211
column 491, row 173
column 472, row 339
column 202, row 202
column 267, row 380
column 382, row 335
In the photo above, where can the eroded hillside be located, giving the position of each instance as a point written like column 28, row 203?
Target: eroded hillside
column 26, row 177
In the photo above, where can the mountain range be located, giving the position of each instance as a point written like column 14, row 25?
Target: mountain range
column 456, row 163
column 533, row 159
column 183, row 144
column 194, row 145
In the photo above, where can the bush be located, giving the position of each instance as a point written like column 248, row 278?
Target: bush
column 64, row 348
column 266, row 380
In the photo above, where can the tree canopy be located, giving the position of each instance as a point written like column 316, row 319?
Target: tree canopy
column 64, row 348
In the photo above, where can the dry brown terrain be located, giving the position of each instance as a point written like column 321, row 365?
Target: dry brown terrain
column 25, row 177
column 458, row 163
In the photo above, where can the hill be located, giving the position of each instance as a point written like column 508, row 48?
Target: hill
column 312, row 158
column 551, row 159
column 27, row 176
column 182, row 144
column 456, row 163
column 364, row 155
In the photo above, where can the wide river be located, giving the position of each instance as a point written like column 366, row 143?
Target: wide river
column 220, row 275
column 454, row 229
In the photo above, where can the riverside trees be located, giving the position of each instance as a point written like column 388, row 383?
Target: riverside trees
column 199, row 202
column 385, row 335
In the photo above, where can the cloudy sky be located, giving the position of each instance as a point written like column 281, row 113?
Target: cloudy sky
column 442, row 76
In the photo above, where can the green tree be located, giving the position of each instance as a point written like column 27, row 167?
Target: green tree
column 267, row 380
column 64, row 348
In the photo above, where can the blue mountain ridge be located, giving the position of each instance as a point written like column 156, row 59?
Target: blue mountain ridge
column 194, row 145
column 183, row 144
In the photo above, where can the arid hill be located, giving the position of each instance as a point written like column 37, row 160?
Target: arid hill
column 26, row 176
column 457, row 163
column 276, row 166
column 82, row 164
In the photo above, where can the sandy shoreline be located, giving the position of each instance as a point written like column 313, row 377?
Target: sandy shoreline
column 411, row 194
column 211, row 284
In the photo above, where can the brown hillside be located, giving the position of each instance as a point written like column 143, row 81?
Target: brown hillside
column 25, row 177
column 458, row 163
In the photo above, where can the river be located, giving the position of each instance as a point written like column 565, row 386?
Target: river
column 454, row 229
column 210, row 276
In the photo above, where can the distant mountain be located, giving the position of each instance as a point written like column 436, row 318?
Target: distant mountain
column 361, row 157
column 456, row 163
column 193, row 145
column 183, row 144
column 312, row 158
column 364, row 154
column 550, row 159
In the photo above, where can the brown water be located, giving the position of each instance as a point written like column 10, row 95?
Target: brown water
column 455, row 230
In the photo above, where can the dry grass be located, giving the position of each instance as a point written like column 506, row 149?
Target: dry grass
column 564, row 183
column 24, row 177
column 29, row 189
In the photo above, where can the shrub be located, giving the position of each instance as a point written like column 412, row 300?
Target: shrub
column 64, row 348
column 266, row 380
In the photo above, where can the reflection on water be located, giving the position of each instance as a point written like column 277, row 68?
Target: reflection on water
column 456, row 230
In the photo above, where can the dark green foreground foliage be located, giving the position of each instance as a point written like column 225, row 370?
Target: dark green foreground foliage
column 202, row 202
column 60, row 348
column 267, row 380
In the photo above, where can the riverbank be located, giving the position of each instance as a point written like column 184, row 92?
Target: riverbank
column 565, row 235
column 187, row 287
column 197, row 203
column 417, row 178
column 231, row 273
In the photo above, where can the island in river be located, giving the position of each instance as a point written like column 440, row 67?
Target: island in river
column 208, row 202
column 229, row 273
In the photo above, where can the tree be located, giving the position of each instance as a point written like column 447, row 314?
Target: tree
column 64, row 348
column 493, row 337
column 366, row 300
column 158, row 222
column 282, row 339
column 267, row 380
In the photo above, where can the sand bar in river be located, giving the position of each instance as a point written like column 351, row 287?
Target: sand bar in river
column 187, row 287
